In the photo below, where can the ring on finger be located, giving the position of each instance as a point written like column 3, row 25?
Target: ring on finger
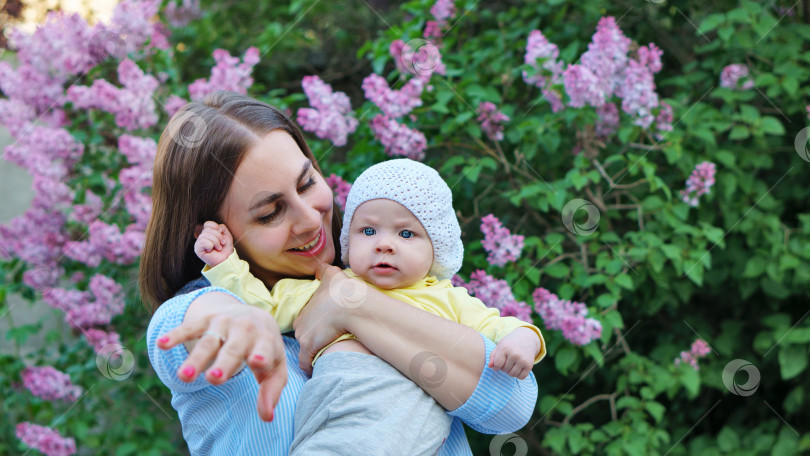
column 215, row 334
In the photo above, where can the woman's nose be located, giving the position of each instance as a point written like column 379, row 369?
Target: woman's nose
column 308, row 219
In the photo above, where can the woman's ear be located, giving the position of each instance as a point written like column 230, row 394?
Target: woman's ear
column 197, row 230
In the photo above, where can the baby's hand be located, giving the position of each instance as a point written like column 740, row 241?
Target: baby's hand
column 214, row 244
column 515, row 353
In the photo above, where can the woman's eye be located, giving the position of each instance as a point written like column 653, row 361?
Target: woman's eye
column 369, row 231
column 306, row 186
column 269, row 217
column 406, row 233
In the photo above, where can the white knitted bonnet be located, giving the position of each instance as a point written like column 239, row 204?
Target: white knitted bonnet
column 422, row 191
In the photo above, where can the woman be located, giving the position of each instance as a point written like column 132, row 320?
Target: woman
column 242, row 163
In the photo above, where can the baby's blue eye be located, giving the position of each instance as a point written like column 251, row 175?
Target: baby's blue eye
column 406, row 233
column 369, row 231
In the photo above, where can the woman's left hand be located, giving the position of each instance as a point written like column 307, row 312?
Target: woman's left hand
column 322, row 320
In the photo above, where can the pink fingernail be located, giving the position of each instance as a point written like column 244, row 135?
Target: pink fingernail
column 163, row 339
column 189, row 371
column 216, row 373
column 258, row 357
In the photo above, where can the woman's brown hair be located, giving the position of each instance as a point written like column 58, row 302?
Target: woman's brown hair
column 197, row 157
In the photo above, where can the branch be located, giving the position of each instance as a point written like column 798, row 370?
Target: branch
column 610, row 181
column 599, row 397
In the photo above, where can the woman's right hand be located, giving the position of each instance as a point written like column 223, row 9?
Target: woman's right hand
column 250, row 334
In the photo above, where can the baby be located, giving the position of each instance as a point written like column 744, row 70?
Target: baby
column 400, row 235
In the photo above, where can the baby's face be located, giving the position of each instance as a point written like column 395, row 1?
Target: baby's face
column 388, row 247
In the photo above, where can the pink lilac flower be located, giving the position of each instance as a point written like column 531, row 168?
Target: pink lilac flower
column 36, row 237
column 332, row 117
column 607, row 121
column 519, row 310
column 59, row 47
column 650, row 57
column 45, row 151
column 85, row 309
column 227, row 74
column 698, row 350
column 100, row 339
column 583, row 87
column 736, row 76
column 421, row 62
column 340, row 188
column 539, row 48
column 49, row 441
column 491, row 120
column 493, row 292
column 606, row 56
column 174, row 104
column 132, row 20
column 138, row 150
column 43, row 277
column 443, row 10
column 398, row 139
column 181, row 14
column 133, row 104
column 50, row 384
column 638, row 94
column 432, row 31
column 663, row 121
column 393, row 103
column 566, row 316
column 26, row 84
column 139, row 206
column 15, row 115
column 699, row 183
column 501, row 245
column 458, row 281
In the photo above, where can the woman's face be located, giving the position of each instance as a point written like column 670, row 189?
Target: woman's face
column 279, row 210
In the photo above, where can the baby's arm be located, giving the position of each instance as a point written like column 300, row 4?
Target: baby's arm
column 214, row 244
column 519, row 344
column 516, row 352
column 284, row 301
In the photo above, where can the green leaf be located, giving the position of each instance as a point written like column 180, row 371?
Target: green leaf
column 557, row 270
column 655, row 410
column 710, row 23
column 126, row 448
column 690, row 380
column 792, row 360
column 695, row 273
column 564, row 358
column 624, row 281
column 738, row 132
column 772, row 126
column 754, row 267
column 727, row 439
column 798, row 336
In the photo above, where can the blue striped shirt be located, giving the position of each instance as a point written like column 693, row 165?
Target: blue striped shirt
column 222, row 420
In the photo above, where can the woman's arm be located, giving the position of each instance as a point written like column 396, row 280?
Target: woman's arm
column 446, row 359
column 250, row 334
